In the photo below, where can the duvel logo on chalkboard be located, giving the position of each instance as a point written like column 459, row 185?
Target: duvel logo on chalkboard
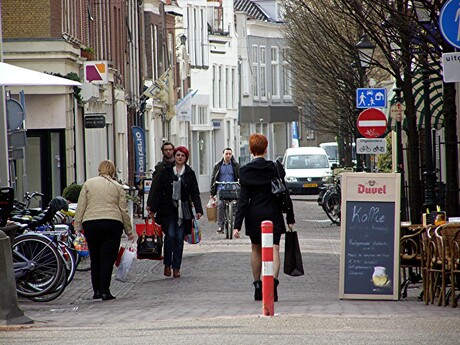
column 370, row 236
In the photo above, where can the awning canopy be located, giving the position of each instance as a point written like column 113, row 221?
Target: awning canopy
column 11, row 75
column 436, row 102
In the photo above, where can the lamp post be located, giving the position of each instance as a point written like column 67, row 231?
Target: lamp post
column 365, row 50
column 423, row 17
column 399, row 155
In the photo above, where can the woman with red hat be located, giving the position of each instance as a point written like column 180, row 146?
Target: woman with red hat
column 172, row 201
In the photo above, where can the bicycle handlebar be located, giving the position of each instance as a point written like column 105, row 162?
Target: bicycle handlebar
column 29, row 196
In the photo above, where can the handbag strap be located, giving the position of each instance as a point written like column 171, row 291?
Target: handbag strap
column 145, row 226
column 155, row 229
column 276, row 169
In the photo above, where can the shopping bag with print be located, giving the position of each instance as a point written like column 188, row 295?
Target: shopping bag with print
column 195, row 236
column 126, row 271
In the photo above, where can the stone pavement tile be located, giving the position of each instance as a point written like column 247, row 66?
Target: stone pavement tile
column 216, row 282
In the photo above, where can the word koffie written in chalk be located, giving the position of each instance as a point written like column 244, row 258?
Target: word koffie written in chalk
column 370, row 216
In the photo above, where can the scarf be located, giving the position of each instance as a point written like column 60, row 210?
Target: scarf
column 176, row 195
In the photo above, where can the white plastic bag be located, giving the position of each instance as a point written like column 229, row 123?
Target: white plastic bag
column 126, row 271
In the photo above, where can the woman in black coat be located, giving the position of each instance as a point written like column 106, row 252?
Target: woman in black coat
column 257, row 204
column 172, row 200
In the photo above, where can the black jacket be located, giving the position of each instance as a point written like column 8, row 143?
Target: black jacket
column 162, row 202
column 161, row 165
column 216, row 174
column 256, row 202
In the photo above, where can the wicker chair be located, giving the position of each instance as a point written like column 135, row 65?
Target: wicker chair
column 445, row 235
column 455, row 269
column 433, row 265
column 412, row 258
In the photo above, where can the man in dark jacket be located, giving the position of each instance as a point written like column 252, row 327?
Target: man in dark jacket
column 168, row 160
column 225, row 170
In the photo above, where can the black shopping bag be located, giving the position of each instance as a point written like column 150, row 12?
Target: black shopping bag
column 293, row 265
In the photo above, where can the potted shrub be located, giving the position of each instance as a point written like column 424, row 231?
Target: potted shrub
column 72, row 192
column 87, row 53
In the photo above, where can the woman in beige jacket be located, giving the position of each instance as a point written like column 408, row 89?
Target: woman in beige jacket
column 103, row 214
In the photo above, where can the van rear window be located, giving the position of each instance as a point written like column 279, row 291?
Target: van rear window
column 307, row 162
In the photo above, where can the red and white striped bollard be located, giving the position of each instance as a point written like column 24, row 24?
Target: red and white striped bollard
column 268, row 304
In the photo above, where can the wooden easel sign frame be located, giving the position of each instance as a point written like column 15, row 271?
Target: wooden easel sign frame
column 370, row 230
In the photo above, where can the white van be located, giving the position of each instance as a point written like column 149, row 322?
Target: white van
column 332, row 151
column 305, row 168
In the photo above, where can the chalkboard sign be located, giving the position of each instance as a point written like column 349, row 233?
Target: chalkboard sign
column 370, row 236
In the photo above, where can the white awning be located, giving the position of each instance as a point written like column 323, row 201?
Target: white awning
column 11, row 75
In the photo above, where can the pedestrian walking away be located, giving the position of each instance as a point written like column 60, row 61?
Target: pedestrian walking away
column 257, row 204
column 102, row 213
column 225, row 170
column 171, row 205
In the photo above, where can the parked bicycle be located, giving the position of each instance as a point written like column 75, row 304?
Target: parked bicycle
column 38, row 267
column 44, row 258
column 329, row 199
column 229, row 194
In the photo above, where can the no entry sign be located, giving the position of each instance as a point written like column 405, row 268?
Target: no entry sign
column 372, row 123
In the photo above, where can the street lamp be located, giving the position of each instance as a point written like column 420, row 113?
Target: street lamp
column 423, row 17
column 365, row 50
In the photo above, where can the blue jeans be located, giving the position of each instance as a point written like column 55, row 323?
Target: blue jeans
column 174, row 244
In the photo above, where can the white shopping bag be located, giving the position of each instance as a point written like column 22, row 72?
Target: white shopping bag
column 126, row 271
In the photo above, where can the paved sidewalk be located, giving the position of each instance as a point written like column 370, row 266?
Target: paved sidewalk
column 216, row 282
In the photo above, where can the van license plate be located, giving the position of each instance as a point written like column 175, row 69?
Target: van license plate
column 310, row 185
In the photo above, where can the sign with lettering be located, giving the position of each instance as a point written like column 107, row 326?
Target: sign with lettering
column 369, row 260
column 94, row 121
column 374, row 146
column 451, row 67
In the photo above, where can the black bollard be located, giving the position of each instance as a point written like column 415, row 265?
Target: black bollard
column 10, row 313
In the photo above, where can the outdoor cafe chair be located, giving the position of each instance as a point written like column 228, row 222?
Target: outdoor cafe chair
column 444, row 238
column 412, row 260
column 433, row 265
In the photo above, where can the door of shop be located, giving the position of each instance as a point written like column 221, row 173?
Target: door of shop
column 45, row 163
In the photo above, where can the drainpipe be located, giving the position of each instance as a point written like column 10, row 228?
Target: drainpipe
column 4, row 173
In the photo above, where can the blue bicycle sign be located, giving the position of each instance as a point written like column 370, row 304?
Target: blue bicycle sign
column 449, row 22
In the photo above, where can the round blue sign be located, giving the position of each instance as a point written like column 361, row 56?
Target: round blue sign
column 449, row 22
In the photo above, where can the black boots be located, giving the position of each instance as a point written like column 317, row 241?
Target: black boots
column 258, row 290
column 275, row 293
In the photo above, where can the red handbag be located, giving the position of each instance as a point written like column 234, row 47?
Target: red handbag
column 149, row 241
column 150, row 228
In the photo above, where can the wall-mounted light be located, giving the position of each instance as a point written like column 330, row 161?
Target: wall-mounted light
column 183, row 39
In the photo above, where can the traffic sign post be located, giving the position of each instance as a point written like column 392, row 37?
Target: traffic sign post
column 372, row 123
column 375, row 146
column 371, row 98
column 451, row 67
column 449, row 22
column 397, row 111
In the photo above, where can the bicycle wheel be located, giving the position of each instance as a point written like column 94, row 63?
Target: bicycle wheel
column 44, row 262
column 228, row 220
column 231, row 218
column 69, row 257
column 57, row 291
column 83, row 263
column 331, row 206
